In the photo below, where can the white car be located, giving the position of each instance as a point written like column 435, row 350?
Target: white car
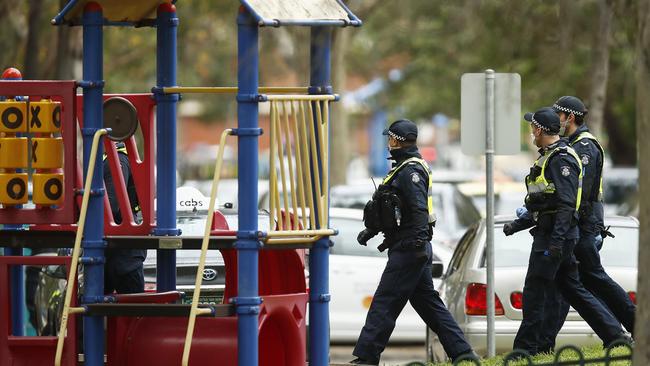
column 464, row 289
column 355, row 271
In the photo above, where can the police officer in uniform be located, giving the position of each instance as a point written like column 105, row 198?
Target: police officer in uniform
column 554, row 192
column 123, row 270
column 590, row 223
column 402, row 208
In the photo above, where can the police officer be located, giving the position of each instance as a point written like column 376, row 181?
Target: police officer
column 402, row 208
column 554, row 192
column 123, row 270
column 590, row 222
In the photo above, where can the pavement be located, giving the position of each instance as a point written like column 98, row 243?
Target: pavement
column 395, row 354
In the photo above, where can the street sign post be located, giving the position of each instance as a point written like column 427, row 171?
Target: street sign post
column 490, row 124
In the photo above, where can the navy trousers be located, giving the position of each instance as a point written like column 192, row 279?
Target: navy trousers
column 407, row 277
column 544, row 275
column 598, row 282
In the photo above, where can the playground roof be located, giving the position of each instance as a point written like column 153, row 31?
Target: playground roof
column 136, row 12
column 301, row 12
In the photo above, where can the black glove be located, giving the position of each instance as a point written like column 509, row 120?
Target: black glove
column 554, row 251
column 604, row 232
column 509, row 228
column 365, row 235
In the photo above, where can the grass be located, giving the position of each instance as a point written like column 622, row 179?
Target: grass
column 593, row 352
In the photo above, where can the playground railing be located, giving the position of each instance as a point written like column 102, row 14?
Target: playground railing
column 298, row 182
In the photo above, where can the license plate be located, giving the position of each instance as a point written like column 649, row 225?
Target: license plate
column 205, row 299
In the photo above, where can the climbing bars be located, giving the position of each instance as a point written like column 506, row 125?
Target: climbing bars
column 298, row 209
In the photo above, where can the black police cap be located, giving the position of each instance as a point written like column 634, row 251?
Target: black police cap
column 570, row 104
column 402, row 130
column 545, row 118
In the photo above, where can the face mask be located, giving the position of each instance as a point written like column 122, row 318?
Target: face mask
column 563, row 126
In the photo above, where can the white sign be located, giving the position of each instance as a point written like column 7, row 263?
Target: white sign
column 507, row 113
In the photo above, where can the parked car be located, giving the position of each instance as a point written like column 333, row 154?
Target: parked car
column 454, row 210
column 355, row 271
column 191, row 220
column 508, row 196
column 464, row 290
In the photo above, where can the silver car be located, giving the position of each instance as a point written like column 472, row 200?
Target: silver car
column 464, row 289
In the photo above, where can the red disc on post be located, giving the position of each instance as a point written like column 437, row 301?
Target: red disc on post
column 92, row 7
column 12, row 73
column 166, row 8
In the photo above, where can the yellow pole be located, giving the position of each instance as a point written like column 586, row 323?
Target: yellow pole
column 276, row 191
column 77, row 247
column 204, row 250
column 299, row 172
column 291, row 160
column 323, row 155
column 285, row 197
column 272, row 234
column 326, row 157
column 311, row 98
column 232, row 90
column 314, row 161
column 272, row 174
column 305, row 162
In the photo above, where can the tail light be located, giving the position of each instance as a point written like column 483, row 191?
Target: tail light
column 632, row 295
column 476, row 300
column 516, row 299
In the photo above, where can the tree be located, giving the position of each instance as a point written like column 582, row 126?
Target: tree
column 600, row 73
column 642, row 333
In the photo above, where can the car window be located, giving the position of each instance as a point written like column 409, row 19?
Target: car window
column 514, row 251
column 466, row 212
column 345, row 243
column 461, row 249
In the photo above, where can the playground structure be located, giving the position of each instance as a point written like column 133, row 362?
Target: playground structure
column 263, row 319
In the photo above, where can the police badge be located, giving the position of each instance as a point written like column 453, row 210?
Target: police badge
column 415, row 178
column 585, row 159
column 565, row 171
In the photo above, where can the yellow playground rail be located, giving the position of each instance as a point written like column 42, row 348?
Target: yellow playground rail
column 67, row 310
column 204, row 250
column 299, row 212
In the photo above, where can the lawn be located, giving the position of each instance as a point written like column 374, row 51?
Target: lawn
column 548, row 359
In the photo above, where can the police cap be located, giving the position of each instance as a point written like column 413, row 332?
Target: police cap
column 546, row 119
column 569, row 104
column 402, row 130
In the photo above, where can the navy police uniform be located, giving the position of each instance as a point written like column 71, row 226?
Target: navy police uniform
column 123, row 270
column 407, row 276
column 554, row 186
column 591, row 225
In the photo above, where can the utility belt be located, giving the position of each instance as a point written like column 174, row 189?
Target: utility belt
column 545, row 221
column 384, row 211
column 405, row 240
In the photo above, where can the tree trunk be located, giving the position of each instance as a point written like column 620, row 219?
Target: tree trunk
column 32, row 50
column 642, row 333
column 64, row 57
column 340, row 127
column 600, row 71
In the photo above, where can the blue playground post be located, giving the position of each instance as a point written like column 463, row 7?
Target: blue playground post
column 247, row 244
column 166, row 25
column 319, row 297
column 93, row 239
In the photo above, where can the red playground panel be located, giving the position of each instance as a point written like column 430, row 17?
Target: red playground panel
column 159, row 341
column 64, row 92
column 31, row 351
